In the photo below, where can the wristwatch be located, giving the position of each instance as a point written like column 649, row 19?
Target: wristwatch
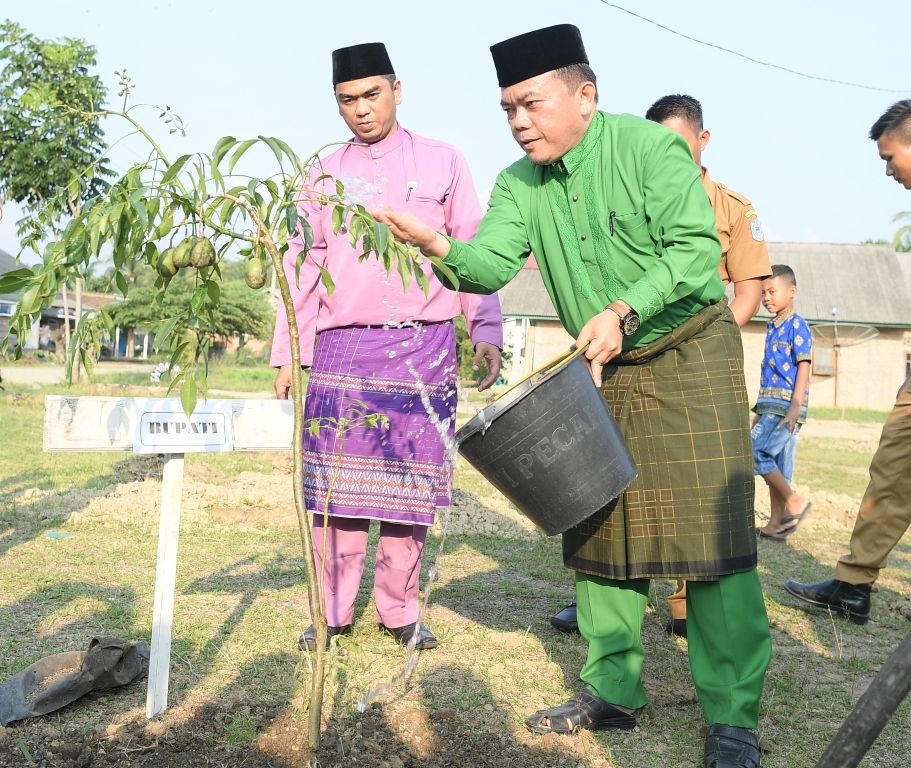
column 629, row 323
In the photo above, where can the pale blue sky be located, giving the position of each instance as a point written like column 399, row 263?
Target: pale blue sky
column 797, row 147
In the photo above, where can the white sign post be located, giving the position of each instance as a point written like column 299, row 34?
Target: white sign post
column 159, row 425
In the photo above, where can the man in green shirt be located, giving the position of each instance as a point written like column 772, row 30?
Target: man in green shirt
column 614, row 210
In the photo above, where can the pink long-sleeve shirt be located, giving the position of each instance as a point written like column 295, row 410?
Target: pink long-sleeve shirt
column 406, row 172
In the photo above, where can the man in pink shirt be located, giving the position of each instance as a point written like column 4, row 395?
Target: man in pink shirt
column 371, row 344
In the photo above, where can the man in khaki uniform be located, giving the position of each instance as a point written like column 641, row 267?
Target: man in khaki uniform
column 744, row 262
column 885, row 510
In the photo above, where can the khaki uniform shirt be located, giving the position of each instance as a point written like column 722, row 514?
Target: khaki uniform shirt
column 743, row 250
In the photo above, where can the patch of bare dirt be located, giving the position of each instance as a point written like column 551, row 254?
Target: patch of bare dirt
column 383, row 737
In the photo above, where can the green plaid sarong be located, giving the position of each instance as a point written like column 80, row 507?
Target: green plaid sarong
column 681, row 404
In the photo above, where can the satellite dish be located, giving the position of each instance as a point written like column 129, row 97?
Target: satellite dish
column 842, row 334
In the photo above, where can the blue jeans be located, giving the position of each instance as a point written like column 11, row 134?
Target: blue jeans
column 773, row 446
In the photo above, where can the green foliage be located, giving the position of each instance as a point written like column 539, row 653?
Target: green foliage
column 239, row 311
column 159, row 203
column 51, row 142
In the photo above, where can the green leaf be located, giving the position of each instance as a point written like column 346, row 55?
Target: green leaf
column 238, row 153
column 308, row 234
column 175, row 380
column 421, row 277
column 291, row 219
column 198, row 300
column 30, row 301
column 166, row 224
column 177, row 353
column 217, row 177
column 452, row 281
column 404, row 271
column 273, row 189
column 188, row 395
column 141, row 213
column 221, row 148
column 15, row 280
column 122, row 284
column 174, row 168
column 274, row 146
column 290, row 153
column 165, row 332
column 326, row 278
column 381, row 236
column 88, row 362
column 213, row 290
column 338, row 218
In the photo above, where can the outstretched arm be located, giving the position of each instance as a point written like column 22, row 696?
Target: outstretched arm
column 408, row 228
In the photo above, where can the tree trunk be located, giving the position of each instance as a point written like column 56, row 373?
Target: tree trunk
column 317, row 615
column 131, row 342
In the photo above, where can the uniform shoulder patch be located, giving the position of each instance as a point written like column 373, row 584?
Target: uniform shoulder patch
column 756, row 229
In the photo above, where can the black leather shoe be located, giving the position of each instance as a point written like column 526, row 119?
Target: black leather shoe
column 307, row 641
column 565, row 620
column 676, row 627
column 727, row 746
column 425, row 638
column 849, row 600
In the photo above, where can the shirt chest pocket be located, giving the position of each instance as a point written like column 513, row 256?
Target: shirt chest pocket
column 630, row 231
column 428, row 207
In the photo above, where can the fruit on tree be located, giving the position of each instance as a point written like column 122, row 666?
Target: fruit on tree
column 202, row 254
column 255, row 272
column 182, row 252
column 166, row 266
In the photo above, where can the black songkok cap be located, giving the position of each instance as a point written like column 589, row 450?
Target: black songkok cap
column 535, row 53
column 359, row 61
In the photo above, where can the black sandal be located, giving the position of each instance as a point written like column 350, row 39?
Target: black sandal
column 727, row 746
column 582, row 711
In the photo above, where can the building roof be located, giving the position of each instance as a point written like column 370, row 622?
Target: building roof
column 868, row 284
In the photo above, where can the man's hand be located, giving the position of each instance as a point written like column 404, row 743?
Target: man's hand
column 492, row 355
column 282, row 383
column 408, row 228
column 603, row 331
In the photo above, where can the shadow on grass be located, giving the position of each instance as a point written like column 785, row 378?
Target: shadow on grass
column 39, row 634
column 22, row 522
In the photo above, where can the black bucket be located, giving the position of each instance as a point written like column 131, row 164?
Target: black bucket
column 551, row 446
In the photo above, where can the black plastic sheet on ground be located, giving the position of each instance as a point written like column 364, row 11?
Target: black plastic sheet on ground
column 58, row 680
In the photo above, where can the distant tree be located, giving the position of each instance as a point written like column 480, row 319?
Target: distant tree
column 49, row 147
column 872, row 241
column 902, row 239
column 46, row 141
column 239, row 313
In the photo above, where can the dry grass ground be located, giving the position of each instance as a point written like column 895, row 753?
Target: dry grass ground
column 236, row 673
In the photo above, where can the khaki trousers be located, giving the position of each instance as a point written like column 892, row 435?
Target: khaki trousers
column 885, row 511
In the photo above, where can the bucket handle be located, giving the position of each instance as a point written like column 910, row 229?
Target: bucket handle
column 557, row 361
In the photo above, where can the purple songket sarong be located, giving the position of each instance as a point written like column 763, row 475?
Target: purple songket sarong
column 399, row 473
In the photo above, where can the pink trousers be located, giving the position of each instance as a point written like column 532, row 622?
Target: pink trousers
column 395, row 581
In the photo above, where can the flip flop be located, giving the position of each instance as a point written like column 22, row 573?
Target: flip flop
column 780, row 535
column 799, row 517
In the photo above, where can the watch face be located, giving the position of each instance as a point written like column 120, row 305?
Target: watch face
column 630, row 324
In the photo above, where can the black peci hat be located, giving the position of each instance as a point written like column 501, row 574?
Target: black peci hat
column 537, row 52
column 359, row 61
